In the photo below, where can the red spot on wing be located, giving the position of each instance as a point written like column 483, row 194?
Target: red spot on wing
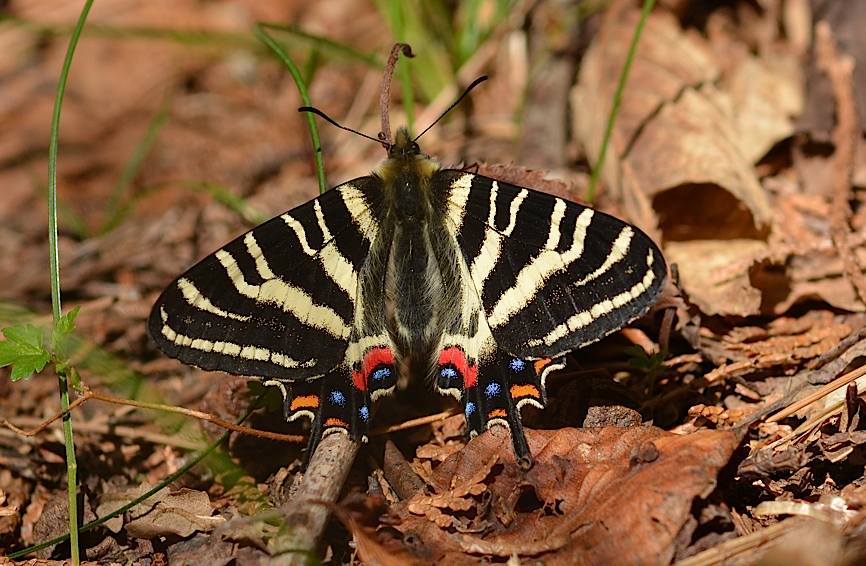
column 375, row 357
column 456, row 357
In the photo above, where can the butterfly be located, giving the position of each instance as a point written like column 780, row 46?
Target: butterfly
column 412, row 272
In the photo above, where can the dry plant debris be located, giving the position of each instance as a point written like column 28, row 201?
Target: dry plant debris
column 730, row 429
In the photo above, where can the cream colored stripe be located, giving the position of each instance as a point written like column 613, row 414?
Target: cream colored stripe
column 533, row 275
column 555, row 221
column 585, row 318
column 488, row 255
column 300, row 233
column 256, row 253
column 339, row 269
column 230, row 348
column 323, row 225
column 618, row 250
column 457, row 199
column 513, row 210
column 196, row 299
column 289, row 298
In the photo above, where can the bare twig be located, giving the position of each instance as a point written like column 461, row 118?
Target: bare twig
column 399, row 473
column 743, row 547
column 819, row 394
column 45, row 424
column 838, row 68
column 107, row 428
column 414, row 423
column 159, row 407
column 304, row 514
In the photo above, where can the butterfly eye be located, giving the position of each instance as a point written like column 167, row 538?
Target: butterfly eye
column 415, row 148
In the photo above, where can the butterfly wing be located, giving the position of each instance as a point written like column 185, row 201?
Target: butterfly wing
column 552, row 275
column 278, row 301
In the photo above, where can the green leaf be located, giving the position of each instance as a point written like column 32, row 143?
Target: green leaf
column 74, row 378
column 66, row 324
column 24, row 350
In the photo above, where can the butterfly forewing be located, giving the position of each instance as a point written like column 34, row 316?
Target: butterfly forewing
column 552, row 275
column 278, row 301
column 477, row 285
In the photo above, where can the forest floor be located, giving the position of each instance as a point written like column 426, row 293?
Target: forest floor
column 727, row 426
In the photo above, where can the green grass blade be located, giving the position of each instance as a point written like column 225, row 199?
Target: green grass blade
column 325, row 45
column 54, row 259
column 115, row 209
column 617, row 98
column 189, row 37
column 265, row 38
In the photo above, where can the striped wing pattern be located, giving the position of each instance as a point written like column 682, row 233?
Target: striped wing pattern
column 552, row 275
column 278, row 301
column 301, row 300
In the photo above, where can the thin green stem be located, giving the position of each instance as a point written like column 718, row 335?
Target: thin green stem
column 54, row 259
column 265, row 38
column 617, row 98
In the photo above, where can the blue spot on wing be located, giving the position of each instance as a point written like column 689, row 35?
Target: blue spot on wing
column 337, row 398
column 381, row 373
column 365, row 413
column 517, row 364
column 492, row 390
column 448, row 373
column 470, row 408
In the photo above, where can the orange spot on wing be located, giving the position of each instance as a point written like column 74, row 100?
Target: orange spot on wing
column 541, row 364
column 524, row 391
column 497, row 413
column 304, row 402
column 333, row 421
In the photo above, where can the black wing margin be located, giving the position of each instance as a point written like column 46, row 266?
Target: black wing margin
column 278, row 301
column 552, row 275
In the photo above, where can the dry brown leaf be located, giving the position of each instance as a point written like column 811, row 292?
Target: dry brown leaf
column 819, row 274
column 180, row 513
column 715, row 274
column 784, row 343
column 599, row 495
column 766, row 94
column 676, row 149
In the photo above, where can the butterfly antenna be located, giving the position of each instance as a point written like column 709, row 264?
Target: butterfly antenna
column 320, row 114
column 474, row 84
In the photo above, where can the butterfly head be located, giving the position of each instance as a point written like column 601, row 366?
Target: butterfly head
column 403, row 147
column 406, row 161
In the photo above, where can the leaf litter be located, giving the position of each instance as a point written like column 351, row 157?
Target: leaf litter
column 745, row 437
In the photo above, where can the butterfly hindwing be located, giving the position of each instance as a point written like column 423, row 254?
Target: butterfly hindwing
column 278, row 301
column 552, row 275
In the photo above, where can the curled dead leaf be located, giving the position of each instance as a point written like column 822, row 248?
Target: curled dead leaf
column 180, row 513
column 593, row 496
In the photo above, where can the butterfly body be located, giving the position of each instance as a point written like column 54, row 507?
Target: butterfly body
column 413, row 272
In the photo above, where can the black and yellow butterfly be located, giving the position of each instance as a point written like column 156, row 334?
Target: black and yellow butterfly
column 416, row 272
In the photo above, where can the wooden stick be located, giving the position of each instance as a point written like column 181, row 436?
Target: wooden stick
column 819, row 394
column 306, row 512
